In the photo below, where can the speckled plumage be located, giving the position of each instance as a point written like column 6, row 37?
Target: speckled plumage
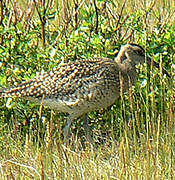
column 77, row 86
column 82, row 86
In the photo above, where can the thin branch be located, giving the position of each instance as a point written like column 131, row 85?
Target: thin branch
column 2, row 14
column 65, row 13
column 121, row 12
column 2, row 17
column 43, row 22
column 76, row 15
column 39, row 14
column 96, row 11
column 70, row 19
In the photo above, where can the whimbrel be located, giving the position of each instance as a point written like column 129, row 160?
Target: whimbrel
column 82, row 86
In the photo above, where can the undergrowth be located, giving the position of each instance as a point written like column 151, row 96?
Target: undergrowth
column 133, row 139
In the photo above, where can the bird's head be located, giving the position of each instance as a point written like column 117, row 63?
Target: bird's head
column 136, row 54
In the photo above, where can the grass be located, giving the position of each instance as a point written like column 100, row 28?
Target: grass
column 147, row 159
column 133, row 139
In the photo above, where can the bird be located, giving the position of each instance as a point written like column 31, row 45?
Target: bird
column 84, row 85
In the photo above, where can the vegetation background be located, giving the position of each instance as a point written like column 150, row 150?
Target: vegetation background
column 133, row 139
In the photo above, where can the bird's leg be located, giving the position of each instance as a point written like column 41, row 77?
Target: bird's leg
column 67, row 129
column 87, row 129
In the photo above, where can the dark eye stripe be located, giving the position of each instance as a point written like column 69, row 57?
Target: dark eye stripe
column 139, row 52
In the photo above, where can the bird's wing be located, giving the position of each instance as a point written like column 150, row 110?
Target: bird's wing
column 68, row 80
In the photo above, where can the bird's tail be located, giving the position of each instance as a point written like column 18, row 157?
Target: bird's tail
column 11, row 92
column 26, row 89
column 3, row 92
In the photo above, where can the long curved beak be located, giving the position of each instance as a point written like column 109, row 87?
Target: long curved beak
column 157, row 65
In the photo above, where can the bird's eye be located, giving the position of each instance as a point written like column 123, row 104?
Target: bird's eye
column 140, row 53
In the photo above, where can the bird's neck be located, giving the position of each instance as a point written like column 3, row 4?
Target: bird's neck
column 126, row 65
column 128, row 71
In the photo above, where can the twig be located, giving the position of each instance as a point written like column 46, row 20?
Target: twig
column 2, row 17
column 110, row 10
column 76, row 15
column 43, row 22
column 65, row 13
column 70, row 19
column 96, row 11
column 121, row 12
column 2, row 14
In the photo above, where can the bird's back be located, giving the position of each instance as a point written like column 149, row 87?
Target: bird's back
column 77, row 86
